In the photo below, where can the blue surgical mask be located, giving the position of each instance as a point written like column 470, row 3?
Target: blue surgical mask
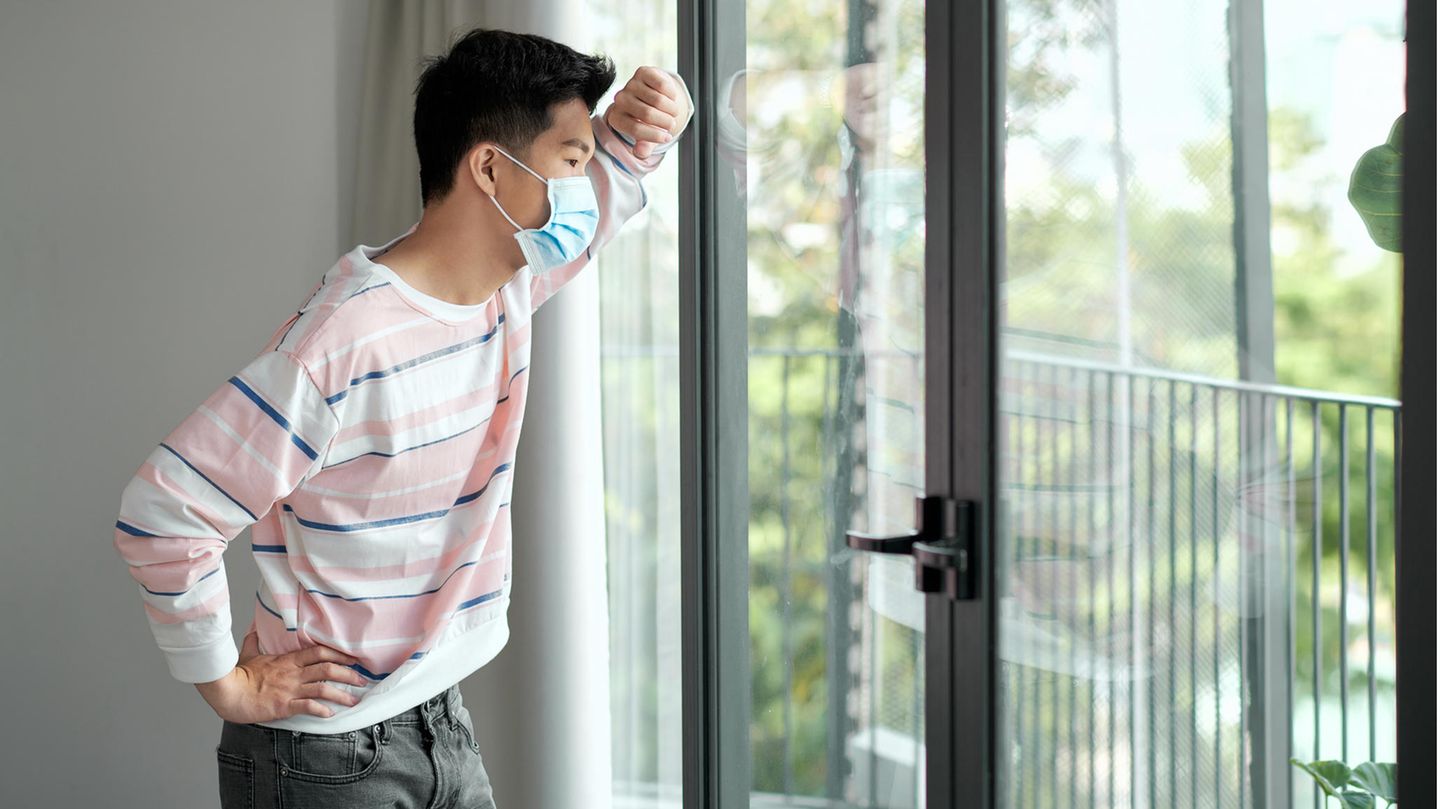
column 574, row 215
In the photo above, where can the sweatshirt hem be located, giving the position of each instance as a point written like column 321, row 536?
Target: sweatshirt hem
column 455, row 659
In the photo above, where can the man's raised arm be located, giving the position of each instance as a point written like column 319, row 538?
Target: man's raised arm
column 632, row 135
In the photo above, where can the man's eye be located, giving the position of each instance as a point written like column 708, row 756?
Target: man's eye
column 574, row 163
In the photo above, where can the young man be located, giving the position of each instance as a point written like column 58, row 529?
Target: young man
column 371, row 444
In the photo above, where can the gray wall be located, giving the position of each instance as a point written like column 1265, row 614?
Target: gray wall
column 173, row 179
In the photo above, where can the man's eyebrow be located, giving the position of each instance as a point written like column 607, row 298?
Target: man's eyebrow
column 579, row 144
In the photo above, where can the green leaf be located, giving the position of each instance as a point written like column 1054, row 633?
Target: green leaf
column 1375, row 189
column 1357, row 800
column 1332, row 776
column 1378, row 779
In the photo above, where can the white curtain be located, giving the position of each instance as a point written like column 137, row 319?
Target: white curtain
column 542, row 706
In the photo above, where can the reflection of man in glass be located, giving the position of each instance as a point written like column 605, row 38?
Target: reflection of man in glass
column 866, row 208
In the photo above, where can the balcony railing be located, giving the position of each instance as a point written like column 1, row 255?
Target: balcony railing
column 1198, row 585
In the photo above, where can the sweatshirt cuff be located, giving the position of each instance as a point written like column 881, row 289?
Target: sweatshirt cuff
column 203, row 664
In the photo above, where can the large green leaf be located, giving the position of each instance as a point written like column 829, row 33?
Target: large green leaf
column 1357, row 800
column 1378, row 778
column 1332, row 776
column 1375, row 189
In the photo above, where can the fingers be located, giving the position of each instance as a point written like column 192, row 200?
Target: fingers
column 654, row 77
column 643, row 130
column 250, row 647
column 311, row 707
column 332, row 671
column 326, row 691
column 647, row 109
column 315, row 654
column 633, row 110
column 650, row 96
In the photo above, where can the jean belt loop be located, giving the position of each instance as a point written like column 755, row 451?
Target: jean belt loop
column 451, row 696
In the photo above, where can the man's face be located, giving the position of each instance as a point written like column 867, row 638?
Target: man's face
column 563, row 150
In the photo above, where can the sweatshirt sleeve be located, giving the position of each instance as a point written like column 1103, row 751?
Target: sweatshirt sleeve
column 252, row 442
column 617, row 175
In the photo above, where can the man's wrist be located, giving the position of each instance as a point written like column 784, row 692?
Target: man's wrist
column 215, row 688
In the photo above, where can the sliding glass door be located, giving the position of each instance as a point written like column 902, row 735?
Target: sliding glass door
column 806, row 326
column 1197, row 360
column 1037, row 374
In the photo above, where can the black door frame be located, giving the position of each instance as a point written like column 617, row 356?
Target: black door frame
column 964, row 98
column 962, row 127
column 714, row 416
column 1415, row 541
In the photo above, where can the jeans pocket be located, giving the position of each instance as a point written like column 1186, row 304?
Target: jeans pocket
column 469, row 728
column 237, row 780
column 331, row 758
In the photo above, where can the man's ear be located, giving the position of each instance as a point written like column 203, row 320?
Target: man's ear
column 481, row 163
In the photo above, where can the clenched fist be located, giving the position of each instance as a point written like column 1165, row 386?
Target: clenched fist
column 651, row 109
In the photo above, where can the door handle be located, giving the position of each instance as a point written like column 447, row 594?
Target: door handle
column 943, row 545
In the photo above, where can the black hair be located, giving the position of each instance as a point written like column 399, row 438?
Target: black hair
column 497, row 86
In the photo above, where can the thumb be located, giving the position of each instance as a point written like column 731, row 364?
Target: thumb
column 250, row 647
column 642, row 149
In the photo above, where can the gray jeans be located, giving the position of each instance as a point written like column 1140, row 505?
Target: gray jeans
column 423, row 758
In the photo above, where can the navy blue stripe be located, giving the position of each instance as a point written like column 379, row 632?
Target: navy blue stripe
column 274, row 414
column 410, row 449
column 367, row 289
column 182, row 592
column 626, row 139
column 132, row 530
column 270, row 549
column 217, row 486
column 374, row 676
column 362, row 526
column 416, row 656
column 478, row 600
column 618, row 164
column 438, row 588
column 293, row 320
column 288, row 628
column 410, row 363
column 303, row 307
column 443, row 439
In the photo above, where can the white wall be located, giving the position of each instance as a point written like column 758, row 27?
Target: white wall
column 173, row 179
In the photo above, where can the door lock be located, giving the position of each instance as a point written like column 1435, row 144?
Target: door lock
column 943, row 545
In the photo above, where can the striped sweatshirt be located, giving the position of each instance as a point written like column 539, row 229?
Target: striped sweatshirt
column 371, row 448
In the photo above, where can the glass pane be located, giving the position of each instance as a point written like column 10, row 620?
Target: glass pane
column 640, row 415
column 1198, row 354
column 823, row 133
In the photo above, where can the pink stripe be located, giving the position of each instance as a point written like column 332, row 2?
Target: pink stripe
column 200, row 508
column 419, row 418
column 225, row 461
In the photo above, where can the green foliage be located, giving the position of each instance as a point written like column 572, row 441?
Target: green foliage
column 1357, row 788
column 1375, row 188
column 1379, row 780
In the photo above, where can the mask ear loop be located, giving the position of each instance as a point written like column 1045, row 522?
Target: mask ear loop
column 502, row 213
column 521, row 165
column 549, row 193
